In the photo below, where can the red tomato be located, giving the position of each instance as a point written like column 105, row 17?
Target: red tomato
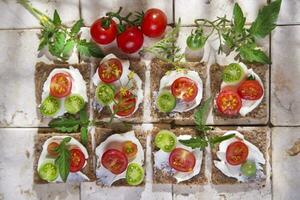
column 61, row 85
column 103, row 35
column 185, row 89
column 115, row 161
column 229, row 102
column 51, row 149
column 250, row 90
column 110, row 70
column 131, row 40
column 77, row 160
column 154, row 22
column 237, row 153
column 182, row 160
column 126, row 102
column 130, row 149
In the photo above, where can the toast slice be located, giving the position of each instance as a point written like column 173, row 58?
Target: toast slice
column 161, row 177
column 41, row 138
column 259, row 136
column 105, row 114
column 42, row 71
column 158, row 70
column 101, row 134
column 260, row 115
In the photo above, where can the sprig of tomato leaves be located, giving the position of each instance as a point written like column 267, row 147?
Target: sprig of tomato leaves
column 237, row 36
column 203, row 140
column 63, row 159
column 60, row 40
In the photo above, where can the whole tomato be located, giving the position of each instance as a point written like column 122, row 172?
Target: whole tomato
column 131, row 40
column 102, row 34
column 154, row 22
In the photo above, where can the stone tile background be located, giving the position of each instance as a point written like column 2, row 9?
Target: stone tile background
column 18, row 119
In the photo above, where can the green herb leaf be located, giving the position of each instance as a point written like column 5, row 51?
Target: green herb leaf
column 239, row 19
column 84, row 119
column 89, row 49
column 251, row 54
column 95, row 50
column 56, row 18
column 65, row 124
column 266, row 19
column 83, row 48
column 195, row 142
column 43, row 43
column 201, row 115
column 218, row 139
column 58, row 44
column 63, row 159
column 68, row 49
column 84, row 135
column 76, row 27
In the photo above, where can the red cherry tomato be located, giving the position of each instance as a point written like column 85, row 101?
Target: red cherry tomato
column 185, row 89
column 229, row 102
column 110, row 70
column 250, row 90
column 126, row 102
column 131, row 40
column 103, row 35
column 115, row 161
column 237, row 153
column 130, row 149
column 154, row 22
column 61, row 85
column 77, row 160
column 51, row 149
column 182, row 160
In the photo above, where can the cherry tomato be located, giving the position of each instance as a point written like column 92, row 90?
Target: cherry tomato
column 51, row 149
column 77, row 160
column 154, row 22
column 182, row 160
column 250, row 90
column 110, row 70
column 103, row 35
column 236, row 153
column 115, row 161
column 229, row 102
column 131, row 40
column 126, row 102
column 185, row 89
column 130, row 149
column 61, row 85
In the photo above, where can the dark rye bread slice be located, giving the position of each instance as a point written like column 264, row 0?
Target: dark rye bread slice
column 259, row 115
column 161, row 177
column 257, row 136
column 42, row 71
column 158, row 70
column 139, row 67
column 41, row 138
column 101, row 134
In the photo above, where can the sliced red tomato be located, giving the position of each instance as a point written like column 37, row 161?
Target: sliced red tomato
column 250, row 90
column 101, row 34
column 182, row 160
column 229, row 102
column 77, row 160
column 130, row 149
column 110, row 70
column 115, row 161
column 154, row 22
column 237, row 153
column 126, row 102
column 51, row 149
column 61, row 85
column 185, row 89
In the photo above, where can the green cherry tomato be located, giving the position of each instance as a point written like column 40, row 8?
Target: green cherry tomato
column 74, row 103
column 105, row 94
column 135, row 174
column 50, row 106
column 48, row 171
column 195, row 41
column 165, row 140
column 248, row 168
column 166, row 102
column 233, row 73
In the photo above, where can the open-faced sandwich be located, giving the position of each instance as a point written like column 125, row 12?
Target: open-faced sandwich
column 175, row 162
column 242, row 158
column 119, row 89
column 119, row 158
column 61, row 88
column 61, row 158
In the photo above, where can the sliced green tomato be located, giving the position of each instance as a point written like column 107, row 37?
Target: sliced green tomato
column 105, row 94
column 166, row 102
column 134, row 174
column 48, row 171
column 74, row 103
column 50, row 106
column 165, row 140
column 248, row 168
column 233, row 73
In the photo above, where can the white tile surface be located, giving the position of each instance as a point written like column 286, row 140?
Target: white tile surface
column 285, row 72
column 286, row 171
column 93, row 9
column 14, row 15
column 289, row 13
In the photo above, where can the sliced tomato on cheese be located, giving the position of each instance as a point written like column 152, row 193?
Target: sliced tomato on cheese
column 61, row 85
column 185, row 89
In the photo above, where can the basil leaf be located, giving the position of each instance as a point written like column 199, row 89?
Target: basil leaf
column 201, row 114
column 239, row 19
column 56, row 18
column 266, row 19
column 63, row 159
column 76, row 27
column 82, row 48
column 65, row 124
column 84, row 135
column 68, row 49
column 95, row 50
column 251, row 54
column 195, row 142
